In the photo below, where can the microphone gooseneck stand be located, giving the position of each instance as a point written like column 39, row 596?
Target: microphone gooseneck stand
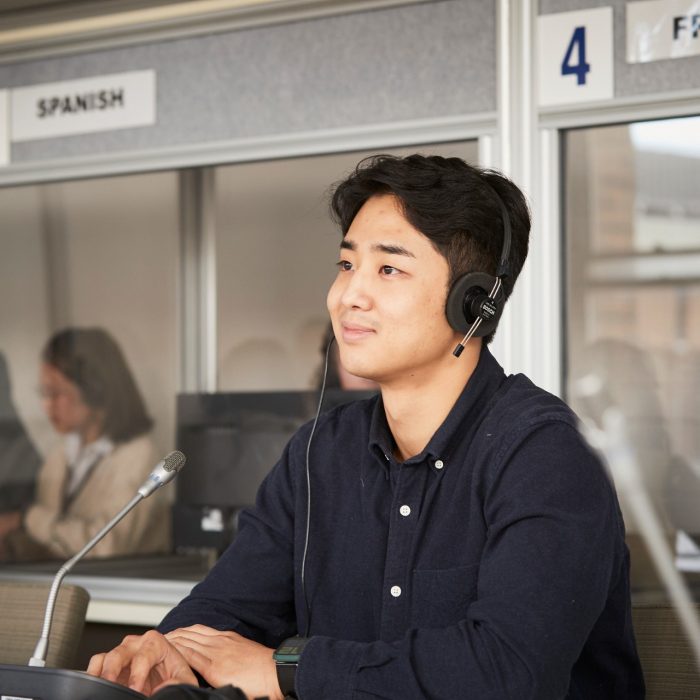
column 35, row 681
column 164, row 472
column 41, row 649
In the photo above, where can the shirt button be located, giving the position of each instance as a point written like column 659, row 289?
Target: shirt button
column 405, row 510
column 395, row 591
column 439, row 464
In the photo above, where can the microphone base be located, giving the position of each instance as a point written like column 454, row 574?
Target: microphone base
column 37, row 683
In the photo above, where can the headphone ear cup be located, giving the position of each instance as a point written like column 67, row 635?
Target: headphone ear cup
column 466, row 295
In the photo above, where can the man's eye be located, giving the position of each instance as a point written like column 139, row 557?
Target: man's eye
column 344, row 265
column 389, row 270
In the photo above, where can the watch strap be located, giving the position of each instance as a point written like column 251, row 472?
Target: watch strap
column 286, row 658
column 286, row 677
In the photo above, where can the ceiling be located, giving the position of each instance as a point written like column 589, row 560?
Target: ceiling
column 26, row 13
column 33, row 28
column 38, row 28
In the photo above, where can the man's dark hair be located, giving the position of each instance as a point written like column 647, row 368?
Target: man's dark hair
column 454, row 204
column 92, row 360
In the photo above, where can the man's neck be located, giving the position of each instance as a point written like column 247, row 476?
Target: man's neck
column 416, row 408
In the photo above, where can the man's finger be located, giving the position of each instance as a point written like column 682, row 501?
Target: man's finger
column 113, row 663
column 95, row 665
column 193, row 638
column 199, row 661
column 194, row 630
column 203, row 629
column 152, row 652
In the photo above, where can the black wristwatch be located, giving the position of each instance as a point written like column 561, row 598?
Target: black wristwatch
column 286, row 658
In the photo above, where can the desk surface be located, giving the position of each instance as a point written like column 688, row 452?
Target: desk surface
column 141, row 590
column 124, row 590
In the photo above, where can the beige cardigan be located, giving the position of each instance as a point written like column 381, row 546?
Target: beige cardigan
column 110, row 485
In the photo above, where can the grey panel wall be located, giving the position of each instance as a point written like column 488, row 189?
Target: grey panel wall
column 417, row 61
column 635, row 79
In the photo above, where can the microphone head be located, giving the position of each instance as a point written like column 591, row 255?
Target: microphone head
column 174, row 461
column 163, row 473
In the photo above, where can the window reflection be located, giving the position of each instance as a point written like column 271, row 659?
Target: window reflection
column 276, row 249
column 633, row 303
column 99, row 253
column 103, row 453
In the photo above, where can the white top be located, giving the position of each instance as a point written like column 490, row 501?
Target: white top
column 81, row 458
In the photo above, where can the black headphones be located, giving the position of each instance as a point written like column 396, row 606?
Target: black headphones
column 475, row 302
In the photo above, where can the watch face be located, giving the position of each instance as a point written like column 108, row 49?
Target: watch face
column 290, row 650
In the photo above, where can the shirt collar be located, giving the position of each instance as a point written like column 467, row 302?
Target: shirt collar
column 76, row 451
column 82, row 458
column 461, row 422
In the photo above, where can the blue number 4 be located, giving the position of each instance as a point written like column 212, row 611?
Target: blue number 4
column 579, row 69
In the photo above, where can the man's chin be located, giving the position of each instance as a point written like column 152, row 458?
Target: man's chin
column 364, row 373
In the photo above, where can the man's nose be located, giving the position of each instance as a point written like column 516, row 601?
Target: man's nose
column 357, row 292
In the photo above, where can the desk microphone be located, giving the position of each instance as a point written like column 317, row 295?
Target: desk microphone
column 164, row 472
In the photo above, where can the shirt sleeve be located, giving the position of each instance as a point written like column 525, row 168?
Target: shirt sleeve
column 553, row 552
column 251, row 587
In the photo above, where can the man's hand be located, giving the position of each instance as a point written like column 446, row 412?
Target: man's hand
column 227, row 658
column 145, row 663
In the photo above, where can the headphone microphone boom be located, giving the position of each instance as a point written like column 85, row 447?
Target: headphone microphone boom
column 476, row 300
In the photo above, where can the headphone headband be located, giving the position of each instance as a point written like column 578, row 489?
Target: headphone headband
column 503, row 269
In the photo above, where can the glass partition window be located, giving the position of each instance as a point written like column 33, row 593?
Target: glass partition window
column 633, row 301
column 111, row 259
column 99, row 253
column 276, row 252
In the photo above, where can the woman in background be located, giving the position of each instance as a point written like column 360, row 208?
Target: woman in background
column 92, row 400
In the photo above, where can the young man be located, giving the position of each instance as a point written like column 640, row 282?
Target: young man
column 462, row 540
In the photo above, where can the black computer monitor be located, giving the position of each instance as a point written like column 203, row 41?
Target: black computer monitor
column 231, row 441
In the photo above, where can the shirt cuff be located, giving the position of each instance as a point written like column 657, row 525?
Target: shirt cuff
column 328, row 669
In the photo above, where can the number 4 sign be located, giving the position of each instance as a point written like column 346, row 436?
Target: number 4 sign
column 575, row 56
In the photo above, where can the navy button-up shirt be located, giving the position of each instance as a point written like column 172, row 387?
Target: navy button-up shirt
column 490, row 565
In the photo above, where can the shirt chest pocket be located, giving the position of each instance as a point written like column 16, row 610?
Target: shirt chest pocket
column 441, row 597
